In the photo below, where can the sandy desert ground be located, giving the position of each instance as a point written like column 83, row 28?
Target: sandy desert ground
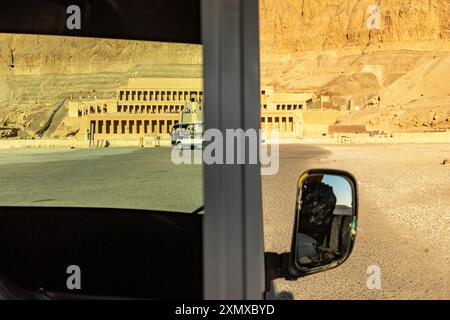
column 404, row 216
column 404, row 223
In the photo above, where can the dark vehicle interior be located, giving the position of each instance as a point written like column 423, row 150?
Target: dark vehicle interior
column 126, row 253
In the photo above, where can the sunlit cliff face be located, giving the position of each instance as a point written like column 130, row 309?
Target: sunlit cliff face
column 38, row 72
column 306, row 45
column 328, row 47
column 289, row 26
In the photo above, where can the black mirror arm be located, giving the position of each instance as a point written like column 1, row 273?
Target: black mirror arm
column 277, row 266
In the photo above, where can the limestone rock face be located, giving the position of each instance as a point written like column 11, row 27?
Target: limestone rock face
column 308, row 44
column 302, row 25
column 39, row 54
column 327, row 47
column 37, row 72
column 323, row 46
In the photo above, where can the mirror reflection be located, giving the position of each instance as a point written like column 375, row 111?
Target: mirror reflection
column 325, row 224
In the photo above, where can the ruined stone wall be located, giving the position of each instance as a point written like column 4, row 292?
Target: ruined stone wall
column 316, row 122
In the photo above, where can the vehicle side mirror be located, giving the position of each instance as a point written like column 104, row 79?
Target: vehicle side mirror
column 325, row 221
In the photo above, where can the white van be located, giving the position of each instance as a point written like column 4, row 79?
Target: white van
column 187, row 135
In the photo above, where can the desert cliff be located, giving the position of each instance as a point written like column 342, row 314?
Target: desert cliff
column 306, row 45
column 37, row 73
column 327, row 47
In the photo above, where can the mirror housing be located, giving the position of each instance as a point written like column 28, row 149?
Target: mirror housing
column 325, row 221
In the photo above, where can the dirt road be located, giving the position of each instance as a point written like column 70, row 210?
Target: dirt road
column 403, row 227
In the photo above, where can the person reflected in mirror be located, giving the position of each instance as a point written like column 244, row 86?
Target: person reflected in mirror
column 317, row 205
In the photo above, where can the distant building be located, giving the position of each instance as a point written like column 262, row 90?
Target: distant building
column 151, row 106
column 282, row 111
column 146, row 106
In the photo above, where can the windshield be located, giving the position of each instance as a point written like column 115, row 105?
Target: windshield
column 87, row 122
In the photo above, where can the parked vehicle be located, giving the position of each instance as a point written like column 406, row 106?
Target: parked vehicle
column 187, row 135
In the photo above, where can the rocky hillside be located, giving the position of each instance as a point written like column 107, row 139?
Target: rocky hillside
column 302, row 25
column 327, row 47
column 38, row 72
column 306, row 45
